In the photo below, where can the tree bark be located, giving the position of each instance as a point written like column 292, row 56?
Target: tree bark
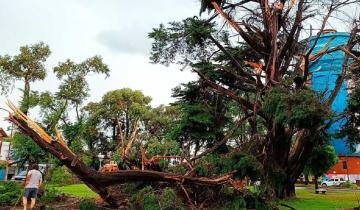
column 316, row 177
column 26, row 96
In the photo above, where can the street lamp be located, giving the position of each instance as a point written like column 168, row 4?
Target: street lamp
column 101, row 157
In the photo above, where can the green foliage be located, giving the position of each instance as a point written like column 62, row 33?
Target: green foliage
column 160, row 120
column 127, row 105
column 10, row 192
column 178, row 169
column 239, row 204
column 28, row 66
column 322, row 158
column 300, row 109
column 170, row 201
column 147, row 198
column 243, row 164
column 51, row 195
column 74, row 87
column 350, row 130
column 229, row 199
column 189, row 38
column 203, row 117
column 24, row 147
column 165, row 147
column 30, row 60
column 62, row 176
column 87, row 204
column 72, row 91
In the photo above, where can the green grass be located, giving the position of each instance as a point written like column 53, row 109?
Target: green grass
column 77, row 190
column 308, row 200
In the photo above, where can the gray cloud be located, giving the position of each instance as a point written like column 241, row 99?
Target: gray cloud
column 125, row 41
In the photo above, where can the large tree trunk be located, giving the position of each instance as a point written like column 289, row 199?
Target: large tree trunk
column 316, row 177
column 285, row 160
column 26, row 96
column 287, row 190
column 97, row 181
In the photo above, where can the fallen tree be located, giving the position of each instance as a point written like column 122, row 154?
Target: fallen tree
column 97, row 181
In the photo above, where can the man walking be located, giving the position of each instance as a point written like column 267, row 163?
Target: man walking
column 32, row 183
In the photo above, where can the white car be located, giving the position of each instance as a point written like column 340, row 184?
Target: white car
column 20, row 176
column 333, row 182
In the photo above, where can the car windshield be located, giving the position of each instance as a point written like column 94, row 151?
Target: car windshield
column 22, row 173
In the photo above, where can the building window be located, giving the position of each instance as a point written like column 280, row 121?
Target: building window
column 344, row 165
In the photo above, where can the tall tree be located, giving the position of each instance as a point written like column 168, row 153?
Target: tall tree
column 265, row 73
column 73, row 90
column 28, row 66
column 321, row 161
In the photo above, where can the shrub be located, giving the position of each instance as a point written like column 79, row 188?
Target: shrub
column 10, row 192
column 239, row 204
column 145, row 199
column 170, row 201
column 51, row 195
column 151, row 202
column 61, row 176
column 88, row 204
column 150, row 199
column 130, row 188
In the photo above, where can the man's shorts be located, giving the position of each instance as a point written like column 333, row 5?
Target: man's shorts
column 31, row 193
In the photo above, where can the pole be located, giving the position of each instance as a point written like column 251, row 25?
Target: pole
column 7, row 160
column 8, row 154
column 347, row 168
column 1, row 141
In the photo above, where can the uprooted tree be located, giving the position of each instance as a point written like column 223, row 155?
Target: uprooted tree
column 95, row 180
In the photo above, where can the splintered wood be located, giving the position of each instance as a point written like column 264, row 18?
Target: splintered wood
column 31, row 123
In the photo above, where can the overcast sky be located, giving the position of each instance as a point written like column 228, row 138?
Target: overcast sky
column 115, row 29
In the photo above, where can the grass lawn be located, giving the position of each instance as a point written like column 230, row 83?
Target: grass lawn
column 308, row 200
column 77, row 190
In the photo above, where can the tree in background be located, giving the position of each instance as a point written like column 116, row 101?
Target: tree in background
column 322, row 159
column 115, row 121
column 28, row 66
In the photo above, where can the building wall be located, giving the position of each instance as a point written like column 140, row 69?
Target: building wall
column 348, row 167
column 4, row 150
column 324, row 73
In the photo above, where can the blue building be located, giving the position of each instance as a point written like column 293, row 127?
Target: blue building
column 324, row 73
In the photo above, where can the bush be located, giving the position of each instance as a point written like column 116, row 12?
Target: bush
column 61, row 176
column 88, row 204
column 10, row 192
column 170, row 201
column 51, row 195
column 145, row 199
column 150, row 199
